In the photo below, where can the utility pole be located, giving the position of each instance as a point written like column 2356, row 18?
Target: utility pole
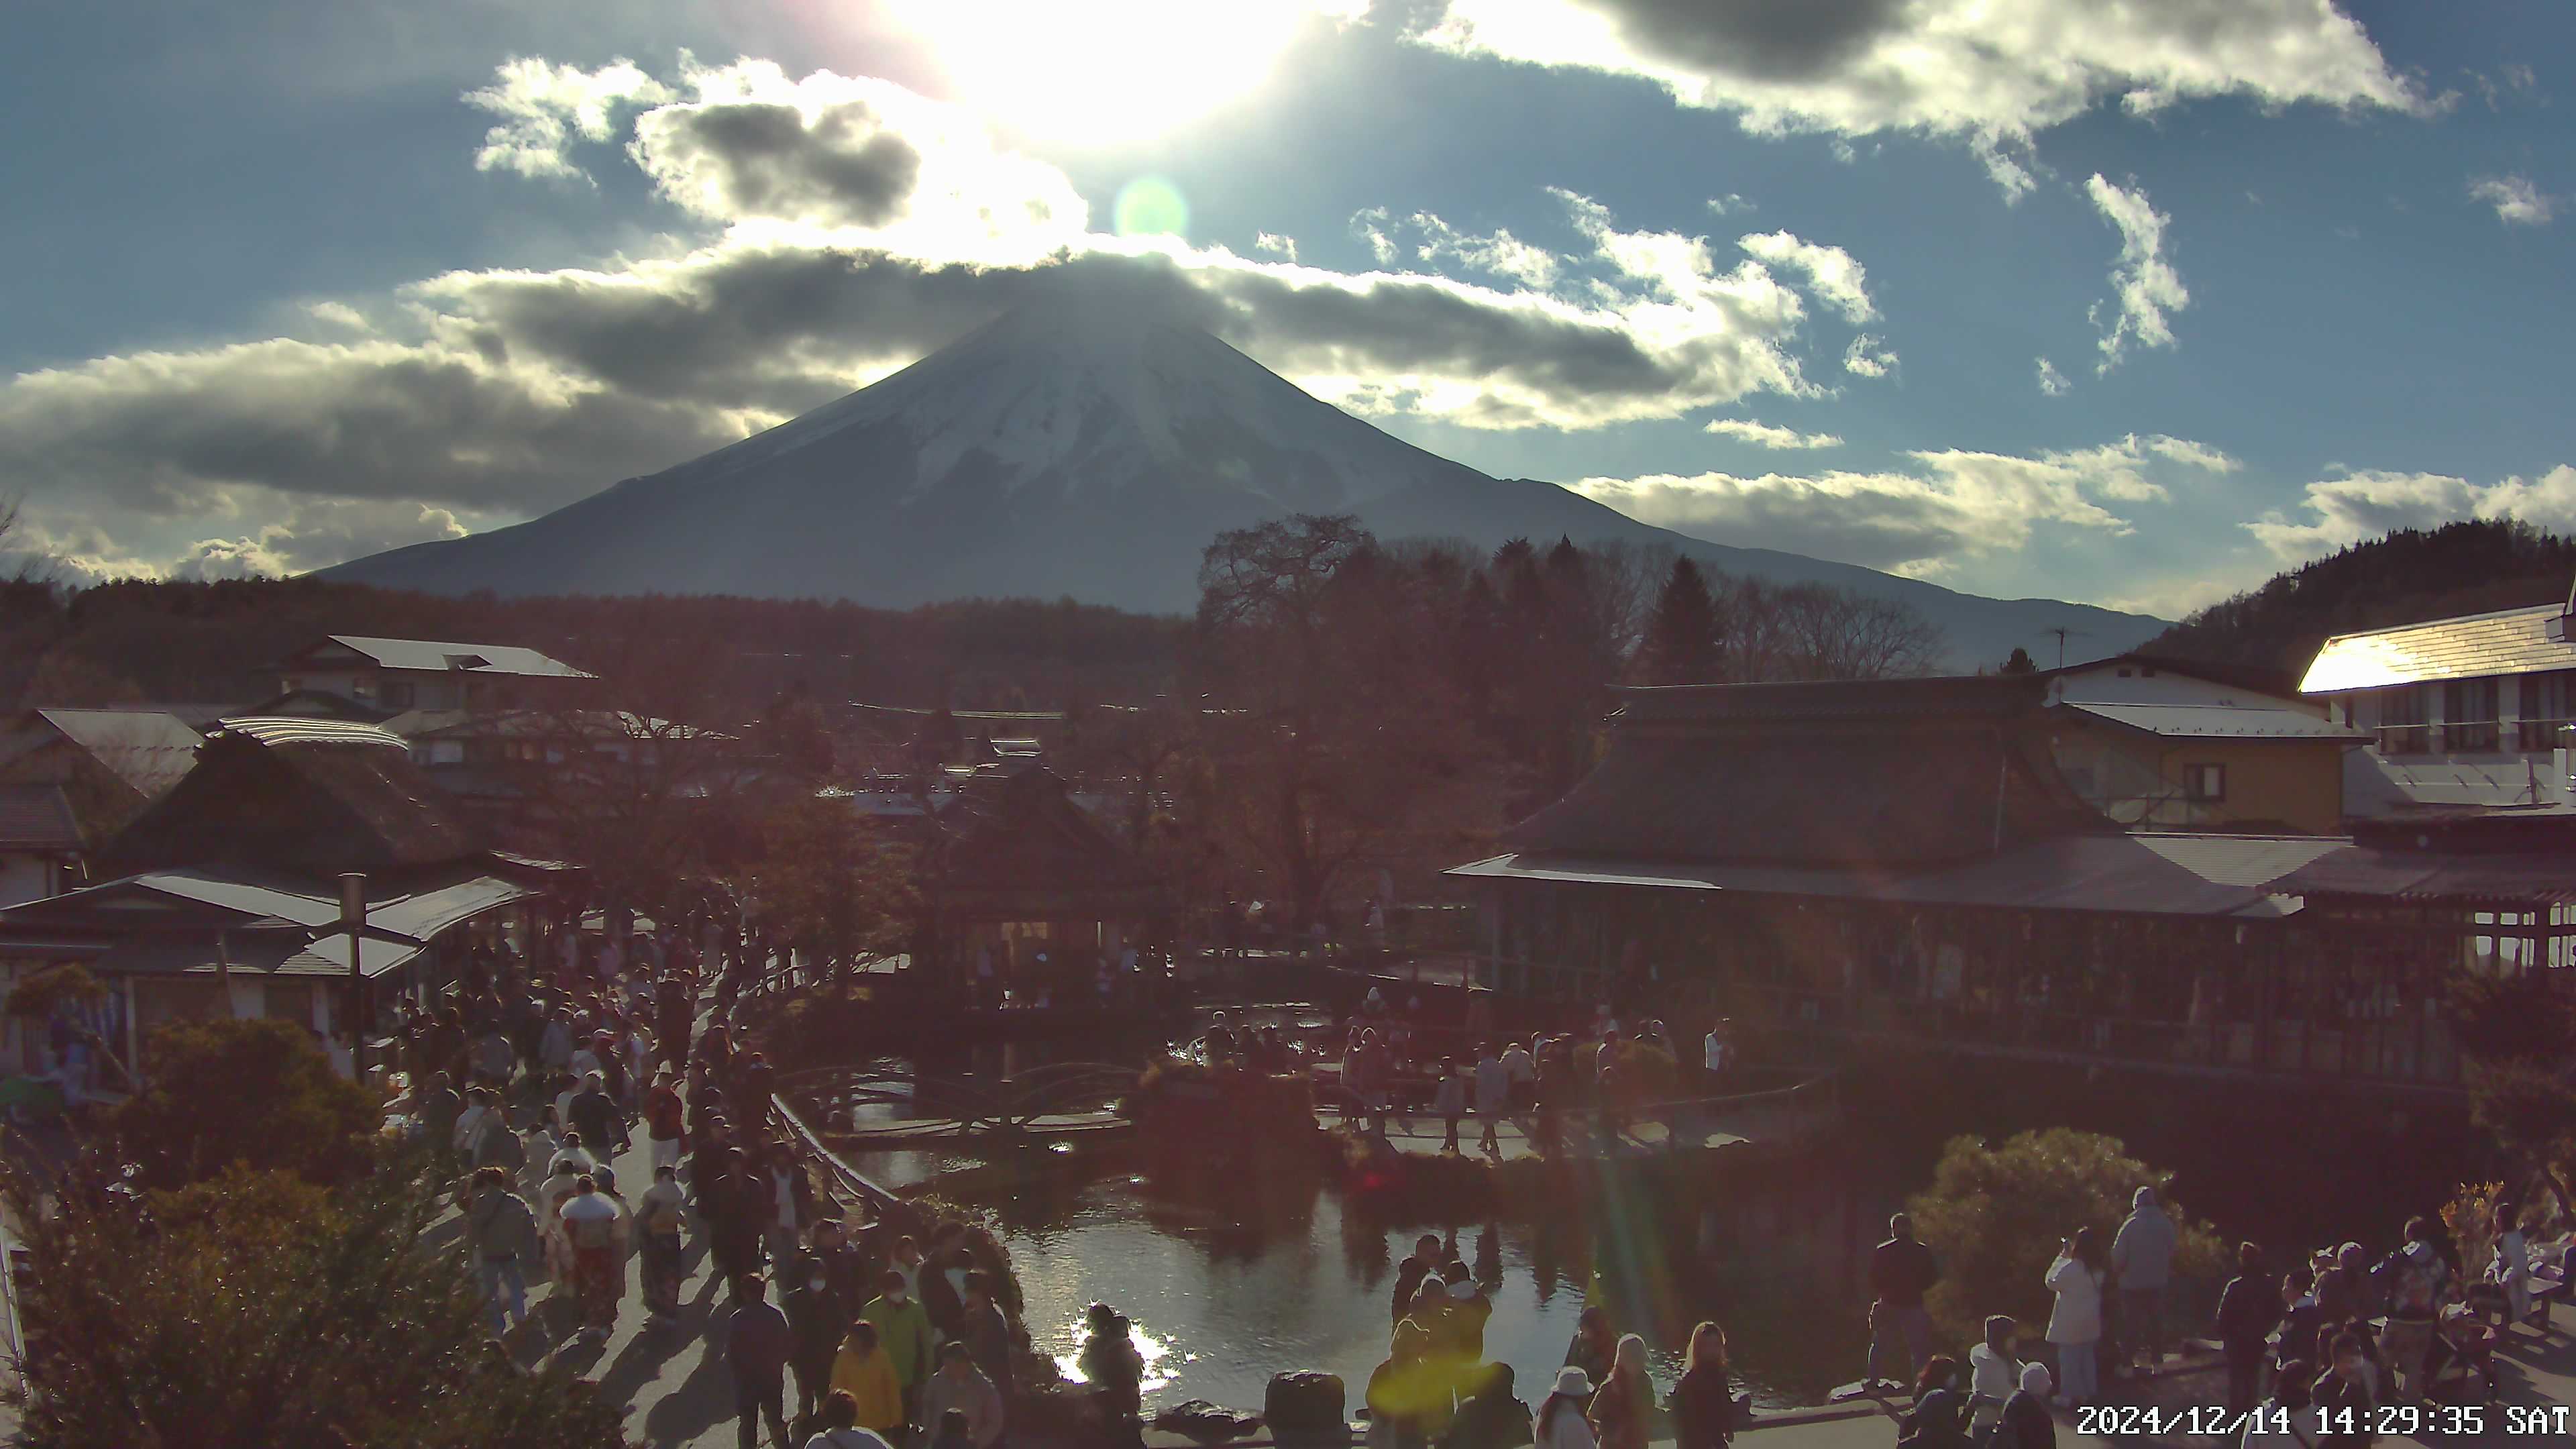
column 353, row 919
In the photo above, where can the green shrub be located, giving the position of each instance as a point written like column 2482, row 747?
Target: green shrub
column 1994, row 1216
column 257, row 1094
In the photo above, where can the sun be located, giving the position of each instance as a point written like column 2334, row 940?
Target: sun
column 1103, row 72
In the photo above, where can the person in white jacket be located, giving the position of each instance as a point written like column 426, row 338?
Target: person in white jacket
column 1993, row 1374
column 2075, row 1325
column 1559, row 1422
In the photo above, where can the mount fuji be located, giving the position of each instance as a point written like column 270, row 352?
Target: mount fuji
column 1069, row 449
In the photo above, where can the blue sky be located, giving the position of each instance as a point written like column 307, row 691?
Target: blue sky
column 300, row 280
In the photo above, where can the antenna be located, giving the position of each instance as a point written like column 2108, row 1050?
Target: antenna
column 2061, row 631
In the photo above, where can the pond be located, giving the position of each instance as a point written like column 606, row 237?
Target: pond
column 1229, row 1282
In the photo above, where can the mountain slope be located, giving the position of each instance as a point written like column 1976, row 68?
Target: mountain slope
column 1078, row 450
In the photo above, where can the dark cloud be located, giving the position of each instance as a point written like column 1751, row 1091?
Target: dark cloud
column 756, row 158
column 1782, row 39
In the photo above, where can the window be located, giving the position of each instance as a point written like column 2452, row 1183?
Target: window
column 2469, row 716
column 2204, row 782
column 397, row 696
column 2548, row 701
column 2401, row 721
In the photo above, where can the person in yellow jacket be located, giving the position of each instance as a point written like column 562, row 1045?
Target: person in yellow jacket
column 865, row 1372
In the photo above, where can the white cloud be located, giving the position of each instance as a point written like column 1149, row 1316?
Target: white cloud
column 1868, row 357
column 1501, row 254
column 544, row 107
column 1766, row 435
column 1271, row 243
column 1731, row 204
column 338, row 314
column 1950, row 507
column 2144, row 285
column 1832, row 275
column 2346, row 510
column 2516, row 201
column 1992, row 73
column 1370, row 226
column 2051, row 381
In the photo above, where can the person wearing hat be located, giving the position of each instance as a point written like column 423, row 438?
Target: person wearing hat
column 2026, row 1423
column 1559, row 1422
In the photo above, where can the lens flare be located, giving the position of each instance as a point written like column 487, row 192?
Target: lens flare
column 1150, row 206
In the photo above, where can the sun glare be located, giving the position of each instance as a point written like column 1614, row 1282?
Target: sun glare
column 1098, row 72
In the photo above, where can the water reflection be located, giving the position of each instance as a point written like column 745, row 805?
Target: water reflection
column 1154, row 1352
column 1230, row 1277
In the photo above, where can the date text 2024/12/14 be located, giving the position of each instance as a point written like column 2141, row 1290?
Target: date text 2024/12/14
column 2114, row 1421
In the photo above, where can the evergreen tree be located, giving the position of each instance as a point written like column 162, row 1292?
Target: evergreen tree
column 1681, row 643
column 2020, row 662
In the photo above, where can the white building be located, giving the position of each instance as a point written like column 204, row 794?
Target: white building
column 2466, row 712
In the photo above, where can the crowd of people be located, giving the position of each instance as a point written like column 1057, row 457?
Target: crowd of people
column 1436, row 1387
column 1603, row 1074
column 884, row 1337
column 2310, row 1353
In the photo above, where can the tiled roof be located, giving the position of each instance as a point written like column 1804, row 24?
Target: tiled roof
column 2514, row 641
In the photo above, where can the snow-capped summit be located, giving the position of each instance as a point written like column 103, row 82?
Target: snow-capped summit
column 1081, row 447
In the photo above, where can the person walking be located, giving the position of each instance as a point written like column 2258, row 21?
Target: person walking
column 2142, row 1259
column 1901, row 1271
column 595, row 1113
column 864, row 1374
column 758, row 1344
column 658, row 1217
column 501, row 1235
column 903, row 1329
column 1703, row 1398
column 1449, row 1103
column 2075, row 1324
column 1594, row 1348
column 1559, row 1423
column 665, row 1119
column 961, row 1388
column 595, row 1230
column 1621, row 1410
column 2249, row 1308
column 2511, row 1267
column 2419, row 1283
column 1493, row 1099
column 986, row 1333
column 837, row 1427
column 817, row 1320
